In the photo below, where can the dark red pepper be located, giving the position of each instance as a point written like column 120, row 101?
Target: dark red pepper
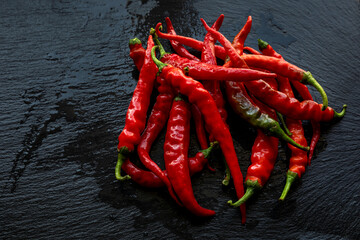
column 176, row 146
column 137, row 52
column 136, row 114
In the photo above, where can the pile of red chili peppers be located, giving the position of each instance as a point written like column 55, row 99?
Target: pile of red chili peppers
column 260, row 86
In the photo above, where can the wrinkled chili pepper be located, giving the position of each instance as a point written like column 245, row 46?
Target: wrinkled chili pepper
column 137, row 111
column 242, row 104
column 137, row 52
column 202, row 98
column 179, row 49
column 176, row 146
column 155, row 124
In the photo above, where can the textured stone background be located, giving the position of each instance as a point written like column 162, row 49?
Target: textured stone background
column 66, row 81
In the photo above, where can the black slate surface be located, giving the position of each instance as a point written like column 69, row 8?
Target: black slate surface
column 66, row 81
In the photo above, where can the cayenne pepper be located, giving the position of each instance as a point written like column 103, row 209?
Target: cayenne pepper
column 199, row 96
column 137, row 52
column 176, row 146
column 136, row 113
column 179, row 49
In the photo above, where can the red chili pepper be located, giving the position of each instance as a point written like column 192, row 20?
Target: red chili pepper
column 155, row 124
column 176, row 146
column 179, row 49
column 137, row 52
column 202, row 98
column 285, row 69
column 301, row 89
column 239, row 39
column 298, row 159
column 136, row 113
column 291, row 107
column 190, row 42
column 208, row 56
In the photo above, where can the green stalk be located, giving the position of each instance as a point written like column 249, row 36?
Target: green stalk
column 290, row 178
column 121, row 159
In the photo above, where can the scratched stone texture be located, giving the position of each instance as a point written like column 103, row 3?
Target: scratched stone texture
column 66, row 81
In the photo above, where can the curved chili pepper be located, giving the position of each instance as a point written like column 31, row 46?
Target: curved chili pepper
column 155, row 124
column 137, row 52
column 208, row 56
column 302, row 90
column 149, row 179
column 190, row 42
column 299, row 159
column 176, row 146
column 286, row 69
column 263, row 157
column 202, row 98
column 136, row 113
column 291, row 107
column 179, row 49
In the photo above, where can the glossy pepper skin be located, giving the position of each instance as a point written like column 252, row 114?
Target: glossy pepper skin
column 264, row 150
column 136, row 114
column 285, row 69
column 266, row 49
column 202, row 98
column 208, row 56
column 291, row 107
column 155, row 124
column 176, row 146
column 179, row 49
column 137, row 52
column 241, row 102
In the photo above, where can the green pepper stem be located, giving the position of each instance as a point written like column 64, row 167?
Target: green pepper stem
column 134, row 41
column 281, row 118
column 342, row 113
column 248, row 194
column 290, row 178
column 309, row 79
column 226, row 179
column 157, row 42
column 208, row 150
column 120, row 161
column 262, row 44
column 158, row 63
column 278, row 132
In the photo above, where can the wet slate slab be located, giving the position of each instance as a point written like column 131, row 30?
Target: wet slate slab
column 66, row 82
